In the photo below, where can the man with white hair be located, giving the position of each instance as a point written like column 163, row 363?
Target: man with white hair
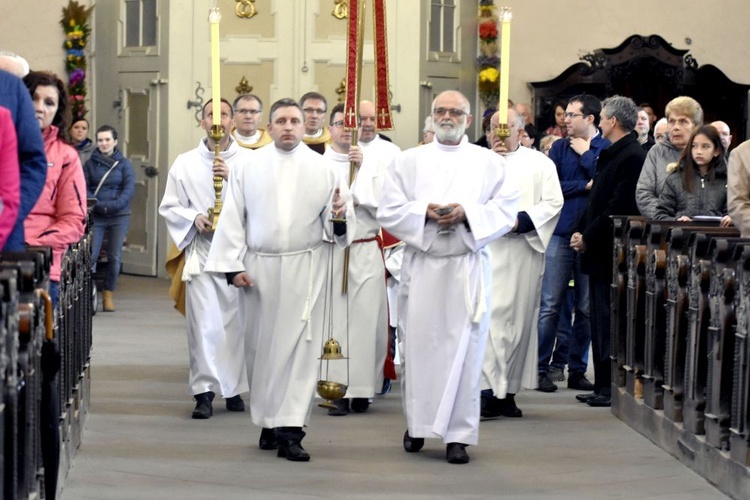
column 518, row 265
column 661, row 131
column 724, row 134
column 446, row 201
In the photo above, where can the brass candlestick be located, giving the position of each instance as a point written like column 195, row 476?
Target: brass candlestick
column 217, row 134
column 502, row 131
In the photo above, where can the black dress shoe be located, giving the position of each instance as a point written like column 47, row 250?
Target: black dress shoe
column 556, row 374
column 600, row 401
column 342, row 408
column 455, row 453
column 585, row 397
column 268, row 439
column 412, row 445
column 293, row 450
column 490, row 408
column 579, row 382
column 360, row 405
column 235, row 403
column 545, row 383
column 508, row 407
column 203, row 405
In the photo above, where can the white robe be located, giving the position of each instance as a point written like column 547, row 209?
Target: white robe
column 365, row 304
column 276, row 212
column 442, row 297
column 214, row 326
column 518, row 265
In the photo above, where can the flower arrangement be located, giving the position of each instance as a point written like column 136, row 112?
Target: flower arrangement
column 488, row 62
column 74, row 23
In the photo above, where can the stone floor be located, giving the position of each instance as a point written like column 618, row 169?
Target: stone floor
column 140, row 442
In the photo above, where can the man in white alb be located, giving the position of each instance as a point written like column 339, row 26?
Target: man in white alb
column 445, row 200
column 248, row 114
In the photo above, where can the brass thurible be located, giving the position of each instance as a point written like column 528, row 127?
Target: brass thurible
column 217, row 134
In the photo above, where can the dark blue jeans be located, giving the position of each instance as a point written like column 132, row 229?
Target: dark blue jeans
column 116, row 228
column 561, row 262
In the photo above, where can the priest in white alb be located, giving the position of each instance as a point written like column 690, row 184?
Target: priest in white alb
column 270, row 243
column 214, row 329
column 361, row 314
column 518, row 265
column 446, row 201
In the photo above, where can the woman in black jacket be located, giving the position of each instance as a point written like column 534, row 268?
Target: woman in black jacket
column 698, row 184
column 109, row 179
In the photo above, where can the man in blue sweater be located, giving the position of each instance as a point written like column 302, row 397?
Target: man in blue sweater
column 575, row 159
column 31, row 158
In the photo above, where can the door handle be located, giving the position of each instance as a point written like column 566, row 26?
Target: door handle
column 150, row 171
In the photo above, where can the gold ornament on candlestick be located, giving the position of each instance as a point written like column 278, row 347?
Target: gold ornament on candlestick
column 502, row 131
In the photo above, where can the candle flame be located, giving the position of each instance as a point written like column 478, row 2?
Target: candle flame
column 506, row 15
column 214, row 16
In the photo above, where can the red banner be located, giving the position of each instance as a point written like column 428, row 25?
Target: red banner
column 353, row 67
column 382, row 93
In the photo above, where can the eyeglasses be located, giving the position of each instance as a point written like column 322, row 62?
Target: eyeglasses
column 339, row 123
column 252, row 112
column 454, row 112
column 573, row 115
column 314, row 111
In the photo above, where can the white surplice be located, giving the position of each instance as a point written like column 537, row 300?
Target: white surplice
column 364, row 305
column 443, row 296
column 214, row 326
column 518, row 265
column 276, row 212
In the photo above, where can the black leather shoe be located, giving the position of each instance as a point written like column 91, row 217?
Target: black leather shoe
column 235, row 403
column 293, row 450
column 579, row 382
column 508, row 407
column 412, row 445
column 455, row 453
column 490, row 407
column 360, row 405
column 556, row 374
column 203, row 405
column 342, row 408
column 600, row 401
column 545, row 384
column 267, row 439
column 585, row 397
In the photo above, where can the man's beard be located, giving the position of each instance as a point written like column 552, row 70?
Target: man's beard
column 450, row 133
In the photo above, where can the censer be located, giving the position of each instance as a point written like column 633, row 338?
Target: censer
column 328, row 389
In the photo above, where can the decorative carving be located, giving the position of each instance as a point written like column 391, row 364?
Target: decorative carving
column 596, row 60
column 341, row 90
column 691, row 62
column 244, row 87
column 340, row 10
column 198, row 102
column 245, row 9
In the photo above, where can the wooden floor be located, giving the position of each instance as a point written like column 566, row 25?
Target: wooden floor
column 140, row 442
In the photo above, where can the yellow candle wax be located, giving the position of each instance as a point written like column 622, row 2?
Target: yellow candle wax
column 214, row 17
column 504, row 64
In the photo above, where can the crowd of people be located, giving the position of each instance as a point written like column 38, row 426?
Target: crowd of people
column 430, row 240
column 51, row 171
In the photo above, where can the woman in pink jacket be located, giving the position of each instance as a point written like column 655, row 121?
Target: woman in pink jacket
column 10, row 187
column 57, row 220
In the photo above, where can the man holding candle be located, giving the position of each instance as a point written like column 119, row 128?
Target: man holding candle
column 215, row 338
column 518, row 265
column 270, row 243
column 575, row 159
column 446, row 201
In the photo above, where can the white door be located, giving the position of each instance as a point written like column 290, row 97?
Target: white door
column 138, row 141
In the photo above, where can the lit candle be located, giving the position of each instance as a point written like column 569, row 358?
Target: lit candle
column 505, row 18
column 214, row 17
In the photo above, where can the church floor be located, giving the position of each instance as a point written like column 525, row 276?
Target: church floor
column 140, row 442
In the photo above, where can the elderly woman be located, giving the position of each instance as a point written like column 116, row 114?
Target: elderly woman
column 110, row 179
column 58, row 218
column 684, row 115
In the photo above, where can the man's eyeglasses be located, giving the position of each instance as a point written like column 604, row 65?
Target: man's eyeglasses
column 339, row 123
column 573, row 115
column 454, row 112
column 314, row 111
column 252, row 112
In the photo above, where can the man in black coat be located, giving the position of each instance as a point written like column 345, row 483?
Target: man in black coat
column 613, row 193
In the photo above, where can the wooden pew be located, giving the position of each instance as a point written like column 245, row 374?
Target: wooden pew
column 739, row 428
column 636, row 294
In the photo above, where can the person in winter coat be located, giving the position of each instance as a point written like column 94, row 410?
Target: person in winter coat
column 698, row 182
column 10, row 188
column 58, row 218
column 79, row 136
column 109, row 179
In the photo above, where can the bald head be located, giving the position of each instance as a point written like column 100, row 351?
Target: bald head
column 367, row 125
column 515, row 125
column 450, row 116
column 724, row 133
column 524, row 110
